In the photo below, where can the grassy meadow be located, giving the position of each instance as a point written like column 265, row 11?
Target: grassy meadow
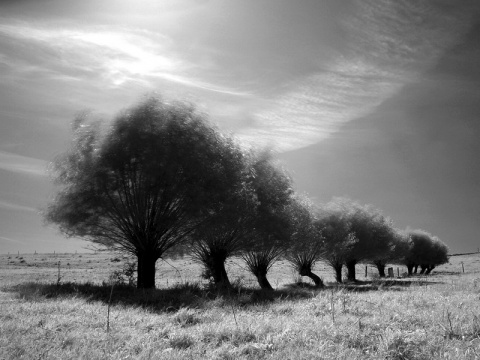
column 71, row 311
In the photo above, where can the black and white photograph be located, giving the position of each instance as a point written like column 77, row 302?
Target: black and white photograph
column 240, row 179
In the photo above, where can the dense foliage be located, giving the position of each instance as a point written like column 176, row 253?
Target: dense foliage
column 160, row 180
column 426, row 251
column 143, row 184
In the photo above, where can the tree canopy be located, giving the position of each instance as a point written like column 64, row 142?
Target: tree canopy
column 425, row 250
column 143, row 183
column 158, row 179
column 270, row 225
column 306, row 242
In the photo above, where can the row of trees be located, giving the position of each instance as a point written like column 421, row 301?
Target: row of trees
column 160, row 180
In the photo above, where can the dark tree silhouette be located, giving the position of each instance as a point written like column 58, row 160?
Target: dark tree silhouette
column 270, row 225
column 338, row 239
column 438, row 255
column 398, row 249
column 419, row 246
column 225, row 235
column 306, row 242
column 371, row 230
column 145, row 182
column 426, row 251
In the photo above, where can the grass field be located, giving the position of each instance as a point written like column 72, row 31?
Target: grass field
column 60, row 312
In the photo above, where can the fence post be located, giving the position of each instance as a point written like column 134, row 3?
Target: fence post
column 366, row 271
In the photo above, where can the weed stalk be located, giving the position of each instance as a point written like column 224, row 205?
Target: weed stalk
column 108, row 308
column 332, row 305
column 58, row 275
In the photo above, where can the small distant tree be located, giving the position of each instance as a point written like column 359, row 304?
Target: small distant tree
column 419, row 246
column 370, row 229
column 270, row 226
column 144, row 182
column 338, row 239
column 398, row 243
column 306, row 242
column 438, row 255
column 426, row 251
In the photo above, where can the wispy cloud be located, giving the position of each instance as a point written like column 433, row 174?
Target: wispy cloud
column 118, row 55
column 389, row 45
column 385, row 45
column 10, row 206
column 11, row 240
column 22, row 164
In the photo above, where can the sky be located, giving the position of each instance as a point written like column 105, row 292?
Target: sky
column 376, row 100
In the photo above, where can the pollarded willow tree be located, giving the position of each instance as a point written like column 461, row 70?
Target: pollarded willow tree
column 426, row 251
column 338, row 238
column 306, row 242
column 438, row 255
column 226, row 234
column 371, row 230
column 145, row 182
column 269, row 228
column 399, row 245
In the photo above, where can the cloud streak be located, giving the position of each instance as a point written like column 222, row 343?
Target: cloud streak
column 386, row 44
column 389, row 45
column 10, row 206
column 22, row 164
column 119, row 55
column 11, row 240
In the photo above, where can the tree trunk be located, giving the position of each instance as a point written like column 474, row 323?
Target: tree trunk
column 416, row 269
column 351, row 270
column 429, row 270
column 146, row 270
column 263, row 281
column 410, row 269
column 338, row 273
column 316, row 279
column 424, row 268
column 381, row 268
column 219, row 274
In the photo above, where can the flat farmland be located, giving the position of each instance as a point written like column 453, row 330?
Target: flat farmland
column 62, row 306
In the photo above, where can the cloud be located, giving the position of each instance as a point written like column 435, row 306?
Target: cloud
column 11, row 240
column 117, row 54
column 22, row 164
column 389, row 44
column 384, row 45
column 10, row 206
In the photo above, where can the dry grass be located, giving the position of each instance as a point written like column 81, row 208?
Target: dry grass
column 436, row 317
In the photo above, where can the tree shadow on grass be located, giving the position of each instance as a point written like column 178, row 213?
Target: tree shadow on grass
column 188, row 295
column 443, row 273
column 389, row 284
column 194, row 295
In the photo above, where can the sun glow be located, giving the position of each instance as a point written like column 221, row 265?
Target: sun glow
column 130, row 55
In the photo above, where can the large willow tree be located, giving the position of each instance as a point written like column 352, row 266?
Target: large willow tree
column 144, row 182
